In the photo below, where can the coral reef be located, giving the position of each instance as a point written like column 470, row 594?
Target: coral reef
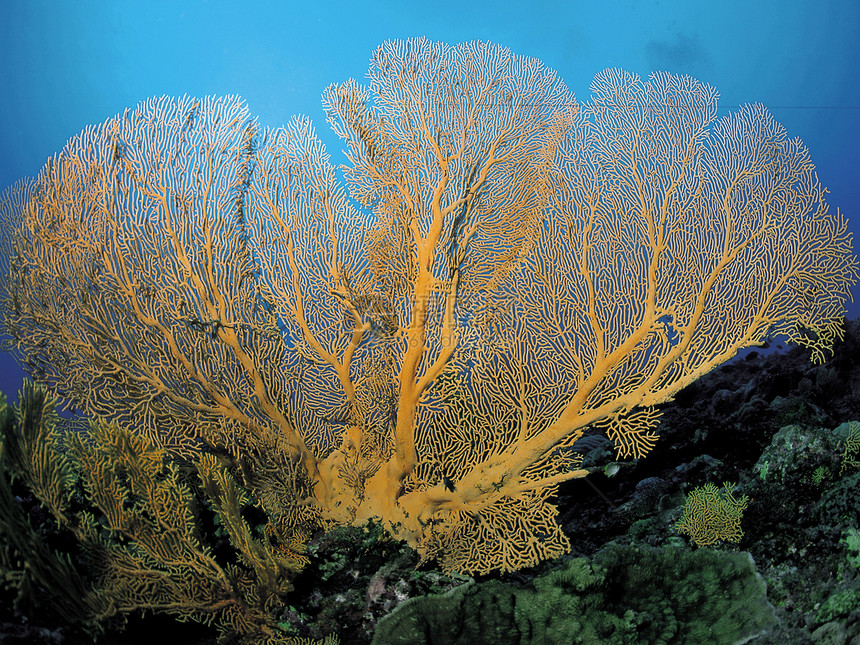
column 622, row 595
column 135, row 525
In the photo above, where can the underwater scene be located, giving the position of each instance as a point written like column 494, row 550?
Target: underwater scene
column 444, row 323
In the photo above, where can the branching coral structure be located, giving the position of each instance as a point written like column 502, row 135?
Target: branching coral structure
column 423, row 338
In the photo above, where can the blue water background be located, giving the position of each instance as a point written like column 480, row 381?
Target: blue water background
column 67, row 64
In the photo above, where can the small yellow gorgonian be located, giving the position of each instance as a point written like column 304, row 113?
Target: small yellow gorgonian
column 711, row 515
column 852, row 448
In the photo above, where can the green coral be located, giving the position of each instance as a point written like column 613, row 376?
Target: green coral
column 137, row 521
column 711, row 515
column 839, row 605
column 624, row 595
column 851, row 540
column 819, row 475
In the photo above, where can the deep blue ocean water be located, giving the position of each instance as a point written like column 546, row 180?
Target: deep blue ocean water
column 64, row 65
